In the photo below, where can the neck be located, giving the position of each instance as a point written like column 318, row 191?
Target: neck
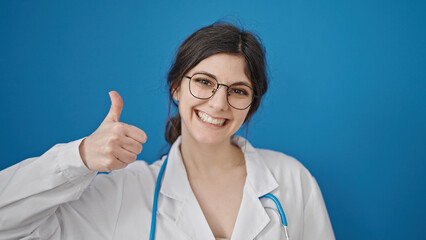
column 208, row 159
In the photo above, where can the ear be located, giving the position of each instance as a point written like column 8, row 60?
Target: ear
column 175, row 93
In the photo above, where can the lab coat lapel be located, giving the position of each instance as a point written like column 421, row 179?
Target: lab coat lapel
column 177, row 202
column 252, row 217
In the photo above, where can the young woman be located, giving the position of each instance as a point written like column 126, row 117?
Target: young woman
column 212, row 183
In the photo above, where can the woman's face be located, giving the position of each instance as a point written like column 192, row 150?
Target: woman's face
column 212, row 121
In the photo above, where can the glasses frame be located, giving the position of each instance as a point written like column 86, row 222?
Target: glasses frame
column 217, row 88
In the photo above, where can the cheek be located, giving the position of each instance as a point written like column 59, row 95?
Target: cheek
column 187, row 103
column 246, row 116
column 241, row 116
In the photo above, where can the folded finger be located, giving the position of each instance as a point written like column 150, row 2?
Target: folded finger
column 125, row 156
column 131, row 145
column 136, row 133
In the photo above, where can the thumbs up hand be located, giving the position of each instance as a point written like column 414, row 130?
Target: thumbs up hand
column 114, row 144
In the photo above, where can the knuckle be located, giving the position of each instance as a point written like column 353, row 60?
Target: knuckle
column 131, row 158
column 108, row 149
column 119, row 126
column 113, row 139
column 110, row 162
column 108, row 166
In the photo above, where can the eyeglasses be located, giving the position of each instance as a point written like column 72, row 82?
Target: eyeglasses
column 203, row 86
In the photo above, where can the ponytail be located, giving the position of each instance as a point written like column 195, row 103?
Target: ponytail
column 173, row 129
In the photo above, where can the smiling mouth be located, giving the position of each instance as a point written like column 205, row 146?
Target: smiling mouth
column 208, row 119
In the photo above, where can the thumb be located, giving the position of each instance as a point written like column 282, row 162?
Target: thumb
column 116, row 107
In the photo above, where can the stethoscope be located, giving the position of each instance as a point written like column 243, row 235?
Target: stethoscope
column 157, row 191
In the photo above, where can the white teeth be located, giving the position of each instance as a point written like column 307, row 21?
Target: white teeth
column 206, row 118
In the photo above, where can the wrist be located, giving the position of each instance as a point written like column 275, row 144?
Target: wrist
column 82, row 151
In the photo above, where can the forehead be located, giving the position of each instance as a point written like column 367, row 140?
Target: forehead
column 226, row 68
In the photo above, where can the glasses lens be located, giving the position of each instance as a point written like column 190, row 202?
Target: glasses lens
column 240, row 96
column 202, row 86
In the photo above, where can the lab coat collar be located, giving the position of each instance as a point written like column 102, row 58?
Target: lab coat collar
column 187, row 213
column 259, row 177
column 252, row 217
column 180, row 205
column 175, row 181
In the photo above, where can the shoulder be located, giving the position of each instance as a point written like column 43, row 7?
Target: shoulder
column 279, row 162
column 288, row 171
column 137, row 172
column 140, row 167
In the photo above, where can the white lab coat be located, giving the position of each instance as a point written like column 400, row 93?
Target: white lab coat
column 56, row 197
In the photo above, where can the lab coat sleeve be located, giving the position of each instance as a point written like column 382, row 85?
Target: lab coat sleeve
column 317, row 223
column 32, row 191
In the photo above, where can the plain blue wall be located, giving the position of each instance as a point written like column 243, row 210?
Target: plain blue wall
column 347, row 90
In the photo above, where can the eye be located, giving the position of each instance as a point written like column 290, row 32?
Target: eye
column 204, row 82
column 238, row 91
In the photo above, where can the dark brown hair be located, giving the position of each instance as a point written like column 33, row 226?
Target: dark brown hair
column 210, row 40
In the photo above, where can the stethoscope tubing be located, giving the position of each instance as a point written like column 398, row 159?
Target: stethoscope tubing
column 280, row 211
column 279, row 207
column 155, row 203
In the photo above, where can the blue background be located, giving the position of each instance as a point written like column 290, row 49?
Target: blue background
column 347, row 90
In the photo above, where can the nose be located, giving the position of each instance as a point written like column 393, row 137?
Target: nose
column 219, row 99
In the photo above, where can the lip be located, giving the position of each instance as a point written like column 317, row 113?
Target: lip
column 209, row 124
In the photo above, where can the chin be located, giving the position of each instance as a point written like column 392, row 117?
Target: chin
column 209, row 139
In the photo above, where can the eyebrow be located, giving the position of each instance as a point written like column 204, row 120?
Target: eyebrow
column 213, row 76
